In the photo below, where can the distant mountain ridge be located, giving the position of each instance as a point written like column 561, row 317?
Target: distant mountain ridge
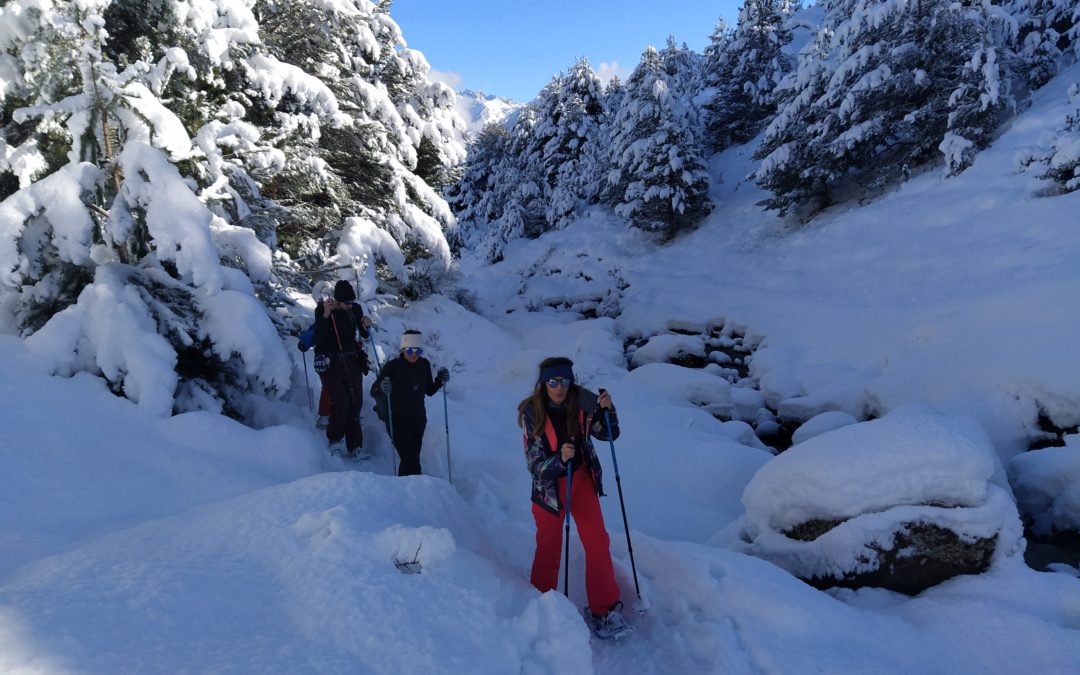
column 479, row 109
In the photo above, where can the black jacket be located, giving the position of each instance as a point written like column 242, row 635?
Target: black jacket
column 348, row 325
column 411, row 382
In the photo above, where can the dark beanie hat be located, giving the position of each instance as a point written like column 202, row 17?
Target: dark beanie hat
column 343, row 292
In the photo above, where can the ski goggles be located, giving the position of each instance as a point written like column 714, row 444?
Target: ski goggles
column 414, row 351
column 556, row 382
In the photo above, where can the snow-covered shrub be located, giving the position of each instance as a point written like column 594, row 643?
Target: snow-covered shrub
column 1060, row 160
column 903, row 502
column 122, row 264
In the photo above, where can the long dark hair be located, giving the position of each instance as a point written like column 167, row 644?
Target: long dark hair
column 537, row 402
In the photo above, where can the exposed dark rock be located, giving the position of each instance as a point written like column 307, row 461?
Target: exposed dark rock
column 923, row 555
column 688, row 360
column 777, row 435
column 1059, row 547
column 811, row 529
column 1050, row 434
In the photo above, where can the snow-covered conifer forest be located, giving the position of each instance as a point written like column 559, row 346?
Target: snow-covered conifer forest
column 826, row 269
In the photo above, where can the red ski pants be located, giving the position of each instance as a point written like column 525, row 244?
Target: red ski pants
column 600, row 584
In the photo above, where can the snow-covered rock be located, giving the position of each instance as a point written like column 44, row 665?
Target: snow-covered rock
column 903, row 502
column 820, row 424
column 670, row 348
column 1047, row 485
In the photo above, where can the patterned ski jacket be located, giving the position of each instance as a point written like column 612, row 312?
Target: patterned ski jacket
column 546, row 465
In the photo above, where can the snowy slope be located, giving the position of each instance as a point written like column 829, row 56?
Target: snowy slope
column 949, row 292
column 130, row 543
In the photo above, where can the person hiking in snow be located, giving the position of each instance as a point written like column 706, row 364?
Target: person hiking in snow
column 341, row 363
column 558, row 419
column 405, row 381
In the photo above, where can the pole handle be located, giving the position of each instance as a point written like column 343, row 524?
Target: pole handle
column 611, row 441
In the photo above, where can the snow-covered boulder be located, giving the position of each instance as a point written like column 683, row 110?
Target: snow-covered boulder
column 714, row 394
column 820, row 424
column 682, row 350
column 1047, row 487
column 904, row 502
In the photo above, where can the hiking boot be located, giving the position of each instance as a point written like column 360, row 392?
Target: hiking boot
column 337, row 447
column 322, row 422
column 610, row 624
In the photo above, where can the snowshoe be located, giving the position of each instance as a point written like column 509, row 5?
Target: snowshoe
column 609, row 626
column 360, row 454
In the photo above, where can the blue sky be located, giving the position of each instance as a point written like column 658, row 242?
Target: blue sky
column 512, row 48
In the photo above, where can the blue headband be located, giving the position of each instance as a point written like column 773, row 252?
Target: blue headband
column 561, row 370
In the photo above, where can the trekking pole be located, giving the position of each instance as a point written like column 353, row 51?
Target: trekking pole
column 307, row 383
column 446, row 422
column 622, row 505
column 375, row 353
column 389, row 409
column 390, row 423
column 566, row 564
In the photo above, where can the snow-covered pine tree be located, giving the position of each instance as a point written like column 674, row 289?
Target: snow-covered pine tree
column 685, row 70
column 885, row 87
column 116, row 255
column 597, row 187
column 567, row 154
column 135, row 141
column 515, row 189
column 743, row 68
column 535, row 177
column 1046, row 30
column 659, row 174
column 402, row 132
column 476, row 198
column 983, row 97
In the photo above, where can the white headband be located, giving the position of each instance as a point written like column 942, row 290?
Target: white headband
column 410, row 340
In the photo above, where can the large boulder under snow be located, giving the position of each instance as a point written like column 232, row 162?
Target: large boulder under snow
column 1047, row 485
column 903, row 502
column 682, row 350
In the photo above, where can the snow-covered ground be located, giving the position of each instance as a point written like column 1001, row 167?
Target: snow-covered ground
column 131, row 543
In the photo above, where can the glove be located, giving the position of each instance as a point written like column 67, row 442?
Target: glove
column 443, row 376
column 301, row 346
column 386, row 386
